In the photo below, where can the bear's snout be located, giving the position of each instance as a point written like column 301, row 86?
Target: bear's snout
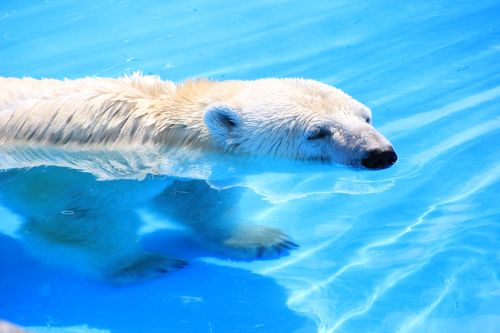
column 379, row 158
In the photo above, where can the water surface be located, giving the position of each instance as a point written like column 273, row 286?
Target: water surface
column 413, row 248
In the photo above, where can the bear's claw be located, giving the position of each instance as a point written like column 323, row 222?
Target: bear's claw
column 284, row 246
column 258, row 242
column 289, row 245
column 180, row 263
column 146, row 266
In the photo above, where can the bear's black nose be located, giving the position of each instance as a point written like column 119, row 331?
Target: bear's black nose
column 379, row 159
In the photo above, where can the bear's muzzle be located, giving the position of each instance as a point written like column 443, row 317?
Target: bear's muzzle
column 379, row 159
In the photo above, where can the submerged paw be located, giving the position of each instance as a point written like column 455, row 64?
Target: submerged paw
column 259, row 242
column 144, row 267
column 282, row 247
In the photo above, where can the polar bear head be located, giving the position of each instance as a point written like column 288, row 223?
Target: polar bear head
column 298, row 119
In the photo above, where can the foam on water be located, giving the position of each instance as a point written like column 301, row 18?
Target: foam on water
column 413, row 248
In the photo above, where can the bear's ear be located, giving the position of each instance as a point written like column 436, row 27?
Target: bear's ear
column 221, row 120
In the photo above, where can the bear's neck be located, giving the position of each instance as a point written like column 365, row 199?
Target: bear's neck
column 179, row 117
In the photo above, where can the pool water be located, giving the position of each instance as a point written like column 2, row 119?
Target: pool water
column 413, row 248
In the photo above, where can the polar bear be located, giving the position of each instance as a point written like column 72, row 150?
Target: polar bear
column 289, row 118
column 44, row 122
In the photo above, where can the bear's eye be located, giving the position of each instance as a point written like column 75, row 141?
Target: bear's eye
column 368, row 120
column 319, row 133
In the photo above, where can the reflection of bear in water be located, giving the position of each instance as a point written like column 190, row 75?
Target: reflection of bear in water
column 290, row 118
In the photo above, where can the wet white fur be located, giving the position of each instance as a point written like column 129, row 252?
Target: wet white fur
column 270, row 117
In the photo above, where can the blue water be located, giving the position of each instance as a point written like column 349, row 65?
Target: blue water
column 413, row 248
